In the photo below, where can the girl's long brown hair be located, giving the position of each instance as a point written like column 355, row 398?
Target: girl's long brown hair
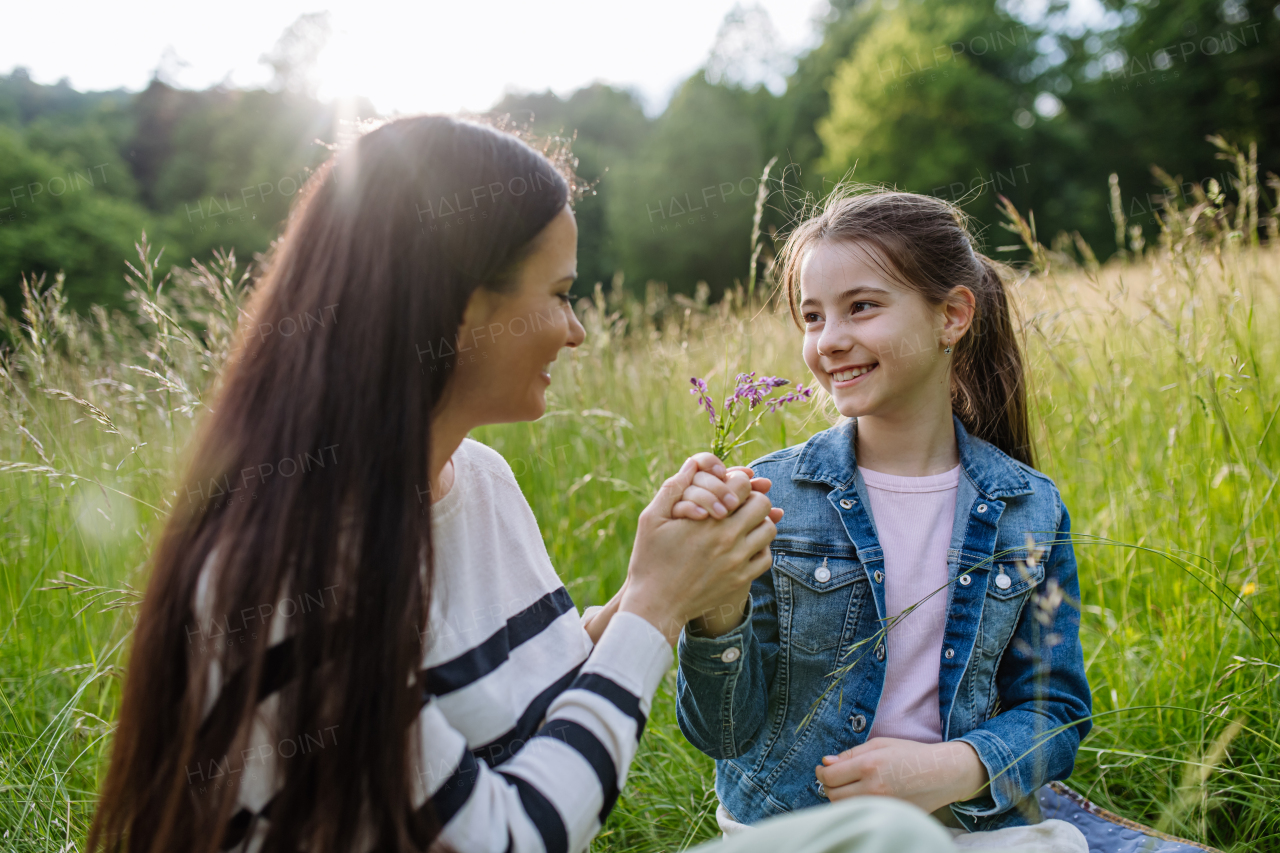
column 308, row 484
column 928, row 247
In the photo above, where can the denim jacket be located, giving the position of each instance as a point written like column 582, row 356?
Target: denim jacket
column 1011, row 681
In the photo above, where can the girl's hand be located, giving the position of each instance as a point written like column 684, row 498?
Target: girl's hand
column 929, row 775
column 680, row 569
column 718, row 495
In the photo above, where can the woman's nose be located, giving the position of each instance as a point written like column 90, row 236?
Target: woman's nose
column 577, row 334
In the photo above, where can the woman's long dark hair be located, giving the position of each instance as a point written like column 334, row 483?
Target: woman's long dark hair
column 307, row 497
column 929, row 248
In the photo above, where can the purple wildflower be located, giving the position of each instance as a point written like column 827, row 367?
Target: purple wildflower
column 753, row 390
column 801, row 393
column 703, row 394
column 749, row 393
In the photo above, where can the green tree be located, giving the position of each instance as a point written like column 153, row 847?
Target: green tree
column 55, row 216
column 608, row 127
column 792, row 127
column 1147, row 92
column 928, row 101
column 680, row 212
column 232, row 164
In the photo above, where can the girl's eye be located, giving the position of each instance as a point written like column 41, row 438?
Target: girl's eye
column 565, row 297
column 811, row 318
column 868, row 304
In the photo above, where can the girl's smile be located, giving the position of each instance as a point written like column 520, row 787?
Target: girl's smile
column 846, row 377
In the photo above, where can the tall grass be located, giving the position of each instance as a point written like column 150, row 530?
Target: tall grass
column 1155, row 399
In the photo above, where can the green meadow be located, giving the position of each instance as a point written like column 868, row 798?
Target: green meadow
column 1155, row 394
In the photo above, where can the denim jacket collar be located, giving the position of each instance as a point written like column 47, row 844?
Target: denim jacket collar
column 829, row 458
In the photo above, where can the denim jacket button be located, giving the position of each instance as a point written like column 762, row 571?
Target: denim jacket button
column 879, row 576
column 880, row 652
column 965, row 580
column 730, row 654
column 846, row 504
column 982, row 507
column 822, row 575
column 1002, row 580
column 822, row 792
column 857, row 722
column 949, row 654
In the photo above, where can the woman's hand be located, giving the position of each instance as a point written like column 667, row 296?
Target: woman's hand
column 681, row 569
column 929, row 775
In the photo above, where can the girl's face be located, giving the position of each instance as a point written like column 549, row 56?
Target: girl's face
column 874, row 345
column 507, row 341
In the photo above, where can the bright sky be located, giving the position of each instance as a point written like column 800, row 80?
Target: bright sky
column 404, row 56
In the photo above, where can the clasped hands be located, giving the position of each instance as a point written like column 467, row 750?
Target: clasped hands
column 684, row 572
column 716, row 492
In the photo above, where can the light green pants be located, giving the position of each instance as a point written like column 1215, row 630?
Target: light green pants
column 855, row 825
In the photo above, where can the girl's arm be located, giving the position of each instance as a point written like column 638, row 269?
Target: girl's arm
column 928, row 775
column 1047, row 706
column 595, row 622
column 722, row 686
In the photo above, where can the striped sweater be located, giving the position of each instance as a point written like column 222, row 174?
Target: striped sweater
column 527, row 730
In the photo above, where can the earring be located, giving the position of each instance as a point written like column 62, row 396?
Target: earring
column 947, row 350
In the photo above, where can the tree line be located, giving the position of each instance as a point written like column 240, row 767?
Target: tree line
column 962, row 100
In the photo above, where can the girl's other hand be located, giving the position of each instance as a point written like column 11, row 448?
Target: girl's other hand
column 717, row 491
column 929, row 775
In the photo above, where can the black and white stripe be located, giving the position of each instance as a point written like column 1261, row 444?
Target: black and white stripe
column 481, row 660
column 526, row 731
column 567, row 774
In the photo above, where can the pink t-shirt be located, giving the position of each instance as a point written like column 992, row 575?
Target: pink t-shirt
column 913, row 519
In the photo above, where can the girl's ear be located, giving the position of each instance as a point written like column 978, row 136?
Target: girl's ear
column 957, row 315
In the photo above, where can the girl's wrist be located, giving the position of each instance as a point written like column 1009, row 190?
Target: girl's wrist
column 722, row 619
column 970, row 774
column 600, row 619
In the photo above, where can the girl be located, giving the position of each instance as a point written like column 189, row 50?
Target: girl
column 917, row 634
column 373, row 651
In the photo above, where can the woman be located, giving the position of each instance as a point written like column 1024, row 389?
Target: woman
column 372, row 651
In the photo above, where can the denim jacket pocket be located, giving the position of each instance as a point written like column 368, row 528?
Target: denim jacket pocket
column 1005, row 601
column 820, row 588
column 1020, row 579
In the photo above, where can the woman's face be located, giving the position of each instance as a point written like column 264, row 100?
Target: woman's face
column 873, row 344
column 507, row 341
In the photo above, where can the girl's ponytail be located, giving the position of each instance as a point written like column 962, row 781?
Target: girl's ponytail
column 927, row 247
column 988, row 388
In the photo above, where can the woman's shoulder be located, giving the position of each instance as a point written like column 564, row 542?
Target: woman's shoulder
column 486, row 461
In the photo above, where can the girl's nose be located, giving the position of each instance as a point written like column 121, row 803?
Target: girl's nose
column 834, row 340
